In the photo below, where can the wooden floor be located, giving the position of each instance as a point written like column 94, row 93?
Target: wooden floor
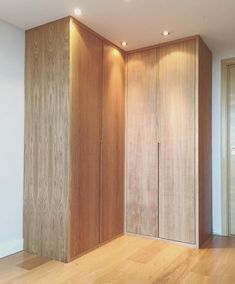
column 129, row 260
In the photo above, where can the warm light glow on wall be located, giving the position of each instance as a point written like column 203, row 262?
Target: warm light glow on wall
column 115, row 52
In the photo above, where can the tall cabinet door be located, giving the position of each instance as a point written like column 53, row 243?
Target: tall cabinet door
column 85, row 106
column 142, row 146
column 176, row 92
column 113, row 133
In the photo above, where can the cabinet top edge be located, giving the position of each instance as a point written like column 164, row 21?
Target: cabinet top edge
column 197, row 38
column 67, row 18
column 71, row 19
column 105, row 40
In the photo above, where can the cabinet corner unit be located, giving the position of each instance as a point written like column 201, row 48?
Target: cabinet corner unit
column 74, row 140
column 78, row 142
column 168, row 142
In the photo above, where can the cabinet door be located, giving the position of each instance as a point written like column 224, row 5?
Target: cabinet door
column 113, row 133
column 86, row 72
column 142, row 146
column 176, row 92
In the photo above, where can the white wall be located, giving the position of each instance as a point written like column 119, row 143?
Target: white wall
column 11, row 138
column 216, row 137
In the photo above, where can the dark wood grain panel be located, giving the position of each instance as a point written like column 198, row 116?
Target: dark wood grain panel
column 176, row 94
column 46, row 179
column 205, row 143
column 113, row 133
column 142, row 145
column 85, row 127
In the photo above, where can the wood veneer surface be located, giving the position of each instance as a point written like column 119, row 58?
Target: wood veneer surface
column 142, row 145
column 85, row 127
column 46, row 179
column 63, row 140
column 113, row 133
column 205, row 143
column 176, row 94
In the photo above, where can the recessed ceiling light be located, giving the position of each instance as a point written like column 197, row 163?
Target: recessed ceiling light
column 165, row 33
column 124, row 43
column 78, row 12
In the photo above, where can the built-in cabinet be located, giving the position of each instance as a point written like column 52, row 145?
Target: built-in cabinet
column 77, row 84
column 168, row 174
column 74, row 140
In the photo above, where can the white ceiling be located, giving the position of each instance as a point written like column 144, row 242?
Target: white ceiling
column 139, row 22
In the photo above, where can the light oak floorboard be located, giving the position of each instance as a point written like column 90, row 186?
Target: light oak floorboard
column 130, row 259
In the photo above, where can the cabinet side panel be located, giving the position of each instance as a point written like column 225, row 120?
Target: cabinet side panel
column 142, row 145
column 176, row 92
column 46, row 180
column 113, row 133
column 205, row 146
column 85, row 135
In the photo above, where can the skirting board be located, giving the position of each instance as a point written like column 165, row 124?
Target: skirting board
column 11, row 247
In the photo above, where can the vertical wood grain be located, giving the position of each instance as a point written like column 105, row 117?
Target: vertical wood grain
column 205, row 144
column 46, row 179
column 142, row 146
column 113, row 133
column 85, row 127
column 176, row 94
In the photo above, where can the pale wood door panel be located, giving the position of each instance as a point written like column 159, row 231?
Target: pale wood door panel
column 176, row 94
column 142, row 146
column 231, row 115
column 113, row 133
column 46, row 180
column 85, row 126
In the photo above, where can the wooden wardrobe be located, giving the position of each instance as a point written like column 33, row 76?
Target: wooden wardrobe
column 74, row 140
column 168, row 137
